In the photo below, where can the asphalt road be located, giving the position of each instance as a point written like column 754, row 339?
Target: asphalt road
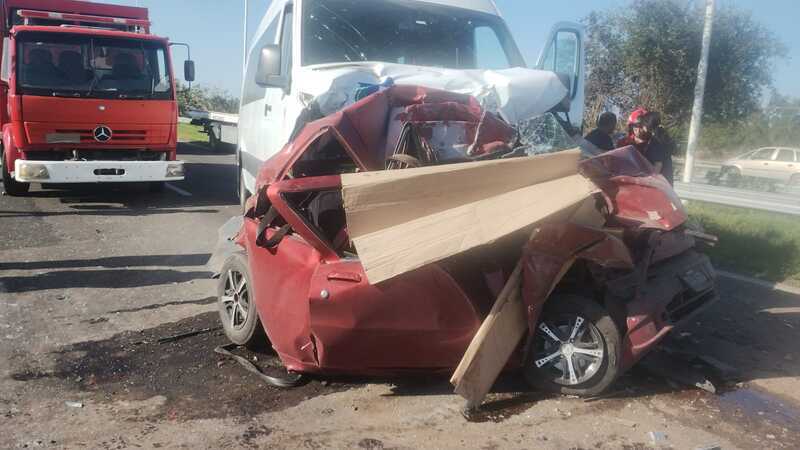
column 93, row 279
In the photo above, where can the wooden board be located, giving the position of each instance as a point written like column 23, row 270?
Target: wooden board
column 401, row 220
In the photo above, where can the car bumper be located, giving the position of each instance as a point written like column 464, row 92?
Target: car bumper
column 31, row 171
column 675, row 291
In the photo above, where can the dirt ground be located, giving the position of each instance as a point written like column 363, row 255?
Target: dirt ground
column 108, row 330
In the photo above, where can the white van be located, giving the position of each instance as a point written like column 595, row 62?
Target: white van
column 309, row 58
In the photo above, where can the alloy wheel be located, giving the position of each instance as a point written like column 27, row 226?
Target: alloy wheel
column 236, row 299
column 569, row 349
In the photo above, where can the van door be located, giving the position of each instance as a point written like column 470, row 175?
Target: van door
column 276, row 130
column 262, row 131
column 565, row 54
column 251, row 110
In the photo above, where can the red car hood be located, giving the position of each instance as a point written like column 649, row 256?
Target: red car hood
column 635, row 193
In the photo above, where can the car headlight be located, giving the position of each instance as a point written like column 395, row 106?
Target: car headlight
column 30, row 171
column 174, row 170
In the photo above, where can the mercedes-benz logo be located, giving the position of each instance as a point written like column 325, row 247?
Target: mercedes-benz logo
column 102, row 133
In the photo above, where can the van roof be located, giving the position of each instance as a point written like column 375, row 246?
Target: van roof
column 485, row 6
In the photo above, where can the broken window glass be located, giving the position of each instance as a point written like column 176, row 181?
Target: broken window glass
column 544, row 134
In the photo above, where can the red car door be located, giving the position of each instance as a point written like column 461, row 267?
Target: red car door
column 280, row 276
column 422, row 319
column 281, row 272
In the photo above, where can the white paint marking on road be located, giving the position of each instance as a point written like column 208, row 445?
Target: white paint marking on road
column 178, row 190
column 782, row 287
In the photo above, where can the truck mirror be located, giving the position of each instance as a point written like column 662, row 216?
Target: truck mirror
column 269, row 67
column 188, row 70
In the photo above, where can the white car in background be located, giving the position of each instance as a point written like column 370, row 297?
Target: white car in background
column 777, row 164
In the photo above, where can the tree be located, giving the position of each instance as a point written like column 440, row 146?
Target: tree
column 647, row 54
column 205, row 99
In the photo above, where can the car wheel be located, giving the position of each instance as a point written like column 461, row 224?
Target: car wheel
column 10, row 185
column 237, row 308
column 575, row 349
column 733, row 176
column 213, row 140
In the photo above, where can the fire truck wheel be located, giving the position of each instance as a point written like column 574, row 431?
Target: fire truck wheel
column 576, row 349
column 237, row 308
column 156, row 186
column 10, row 185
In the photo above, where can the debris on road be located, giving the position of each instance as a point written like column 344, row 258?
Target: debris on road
column 673, row 367
column 72, row 404
column 657, row 437
column 187, row 334
column 288, row 381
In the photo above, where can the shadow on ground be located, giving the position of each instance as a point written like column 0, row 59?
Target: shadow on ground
column 196, row 382
column 112, row 262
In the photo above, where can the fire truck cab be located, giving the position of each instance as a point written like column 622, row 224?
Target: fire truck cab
column 89, row 94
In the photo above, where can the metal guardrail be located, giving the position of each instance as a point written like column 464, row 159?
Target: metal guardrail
column 781, row 203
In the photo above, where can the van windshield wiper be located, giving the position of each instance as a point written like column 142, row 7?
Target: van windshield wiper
column 133, row 96
column 67, row 94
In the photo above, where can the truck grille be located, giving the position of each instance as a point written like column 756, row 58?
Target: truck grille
column 120, row 136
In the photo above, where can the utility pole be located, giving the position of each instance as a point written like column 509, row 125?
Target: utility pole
column 699, row 93
column 244, row 43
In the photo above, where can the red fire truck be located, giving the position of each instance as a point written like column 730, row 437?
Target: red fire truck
column 89, row 95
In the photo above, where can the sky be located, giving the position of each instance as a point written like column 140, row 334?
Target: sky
column 214, row 28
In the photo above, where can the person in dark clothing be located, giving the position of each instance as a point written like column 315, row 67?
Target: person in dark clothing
column 601, row 136
column 651, row 139
column 660, row 147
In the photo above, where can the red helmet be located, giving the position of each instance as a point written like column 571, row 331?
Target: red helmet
column 636, row 116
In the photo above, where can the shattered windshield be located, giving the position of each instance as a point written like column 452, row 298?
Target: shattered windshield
column 544, row 134
column 83, row 66
column 415, row 33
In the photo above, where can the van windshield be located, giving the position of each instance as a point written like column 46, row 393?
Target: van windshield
column 405, row 32
column 57, row 64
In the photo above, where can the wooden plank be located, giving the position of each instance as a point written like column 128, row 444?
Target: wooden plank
column 493, row 344
column 415, row 217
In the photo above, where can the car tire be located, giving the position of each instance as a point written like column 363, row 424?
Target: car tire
column 236, row 304
column 733, row 176
column 213, row 140
column 597, row 333
column 10, row 185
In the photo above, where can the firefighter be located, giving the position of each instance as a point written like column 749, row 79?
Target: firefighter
column 651, row 139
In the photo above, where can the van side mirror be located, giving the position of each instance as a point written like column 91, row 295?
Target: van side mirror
column 188, row 70
column 268, row 73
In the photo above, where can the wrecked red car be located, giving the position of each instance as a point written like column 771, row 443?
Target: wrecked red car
column 292, row 278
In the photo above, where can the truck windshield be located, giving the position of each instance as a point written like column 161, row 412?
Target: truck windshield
column 403, row 32
column 84, row 66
